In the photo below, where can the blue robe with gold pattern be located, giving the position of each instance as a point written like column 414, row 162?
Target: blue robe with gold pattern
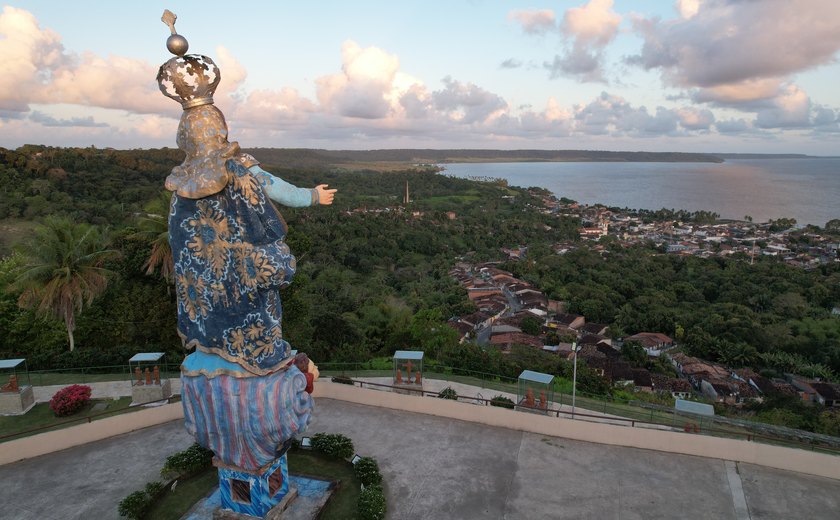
column 230, row 260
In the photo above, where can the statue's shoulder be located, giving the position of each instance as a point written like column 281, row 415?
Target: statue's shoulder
column 247, row 160
column 240, row 163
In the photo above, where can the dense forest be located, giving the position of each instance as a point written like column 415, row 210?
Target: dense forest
column 372, row 274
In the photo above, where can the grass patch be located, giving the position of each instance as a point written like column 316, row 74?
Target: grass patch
column 172, row 505
column 41, row 416
column 343, row 504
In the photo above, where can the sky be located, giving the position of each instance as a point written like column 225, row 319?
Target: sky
column 757, row 76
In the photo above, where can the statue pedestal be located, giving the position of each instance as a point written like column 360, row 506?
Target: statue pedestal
column 531, row 408
column 255, row 494
column 141, row 394
column 408, row 389
column 16, row 403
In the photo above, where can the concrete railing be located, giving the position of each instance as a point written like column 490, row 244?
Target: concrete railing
column 48, row 442
column 790, row 459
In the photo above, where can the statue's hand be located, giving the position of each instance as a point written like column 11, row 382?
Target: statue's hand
column 325, row 196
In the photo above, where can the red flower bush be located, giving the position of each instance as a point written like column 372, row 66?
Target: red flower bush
column 70, row 400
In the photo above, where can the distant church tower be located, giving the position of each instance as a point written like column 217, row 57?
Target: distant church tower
column 406, row 199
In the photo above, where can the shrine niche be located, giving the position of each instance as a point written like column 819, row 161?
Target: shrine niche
column 408, row 371
column 147, row 386
column 535, row 391
column 16, row 395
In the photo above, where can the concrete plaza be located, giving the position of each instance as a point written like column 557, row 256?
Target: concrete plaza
column 437, row 468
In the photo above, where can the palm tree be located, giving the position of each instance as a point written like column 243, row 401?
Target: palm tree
column 154, row 225
column 63, row 272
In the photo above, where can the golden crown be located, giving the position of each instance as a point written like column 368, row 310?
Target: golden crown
column 190, row 79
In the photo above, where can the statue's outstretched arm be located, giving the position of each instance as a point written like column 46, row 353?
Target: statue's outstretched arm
column 287, row 194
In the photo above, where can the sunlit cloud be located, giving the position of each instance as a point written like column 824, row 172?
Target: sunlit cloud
column 739, row 45
column 534, row 21
column 77, row 97
column 588, row 29
column 43, row 119
column 37, row 69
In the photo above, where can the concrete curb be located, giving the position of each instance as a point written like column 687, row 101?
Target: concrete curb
column 778, row 457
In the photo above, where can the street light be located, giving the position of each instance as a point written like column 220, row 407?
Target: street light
column 574, row 377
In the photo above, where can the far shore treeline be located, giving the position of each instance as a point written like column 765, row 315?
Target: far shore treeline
column 430, row 156
column 373, row 272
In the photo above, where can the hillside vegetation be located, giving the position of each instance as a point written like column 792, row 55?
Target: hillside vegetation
column 373, row 276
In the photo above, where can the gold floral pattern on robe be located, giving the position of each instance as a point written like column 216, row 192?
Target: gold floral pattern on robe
column 192, row 294
column 253, row 267
column 252, row 339
column 211, row 232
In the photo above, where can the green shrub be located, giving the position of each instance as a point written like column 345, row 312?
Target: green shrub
column 367, row 471
column 187, row 462
column 134, row 506
column 372, row 503
column 381, row 364
column 448, row 393
column 344, row 380
column 154, row 488
column 502, row 402
column 333, row 444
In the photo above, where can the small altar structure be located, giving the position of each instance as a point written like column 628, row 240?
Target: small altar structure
column 535, row 391
column 16, row 395
column 146, row 383
column 408, row 371
column 262, row 493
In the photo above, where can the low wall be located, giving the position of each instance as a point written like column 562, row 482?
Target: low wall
column 790, row 459
column 760, row 454
column 48, row 442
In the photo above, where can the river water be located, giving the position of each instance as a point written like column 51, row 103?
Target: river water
column 805, row 189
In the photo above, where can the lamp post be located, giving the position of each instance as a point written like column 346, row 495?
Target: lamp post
column 574, row 377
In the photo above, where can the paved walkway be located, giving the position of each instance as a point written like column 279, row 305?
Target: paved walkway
column 437, row 468
column 117, row 389
column 467, row 393
column 99, row 390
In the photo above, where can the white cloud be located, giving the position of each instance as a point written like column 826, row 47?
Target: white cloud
column 368, row 87
column 693, row 118
column 743, row 93
column 38, row 70
column 534, row 21
column 791, row 109
column 588, row 30
column 577, row 62
column 594, row 24
column 688, row 8
column 370, row 101
column 467, row 103
column 47, row 120
column 732, row 126
column 729, row 43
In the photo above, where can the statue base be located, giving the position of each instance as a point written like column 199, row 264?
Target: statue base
column 407, row 389
column 142, row 394
column 254, row 493
column 17, row 403
column 305, row 500
column 275, row 513
column 535, row 408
